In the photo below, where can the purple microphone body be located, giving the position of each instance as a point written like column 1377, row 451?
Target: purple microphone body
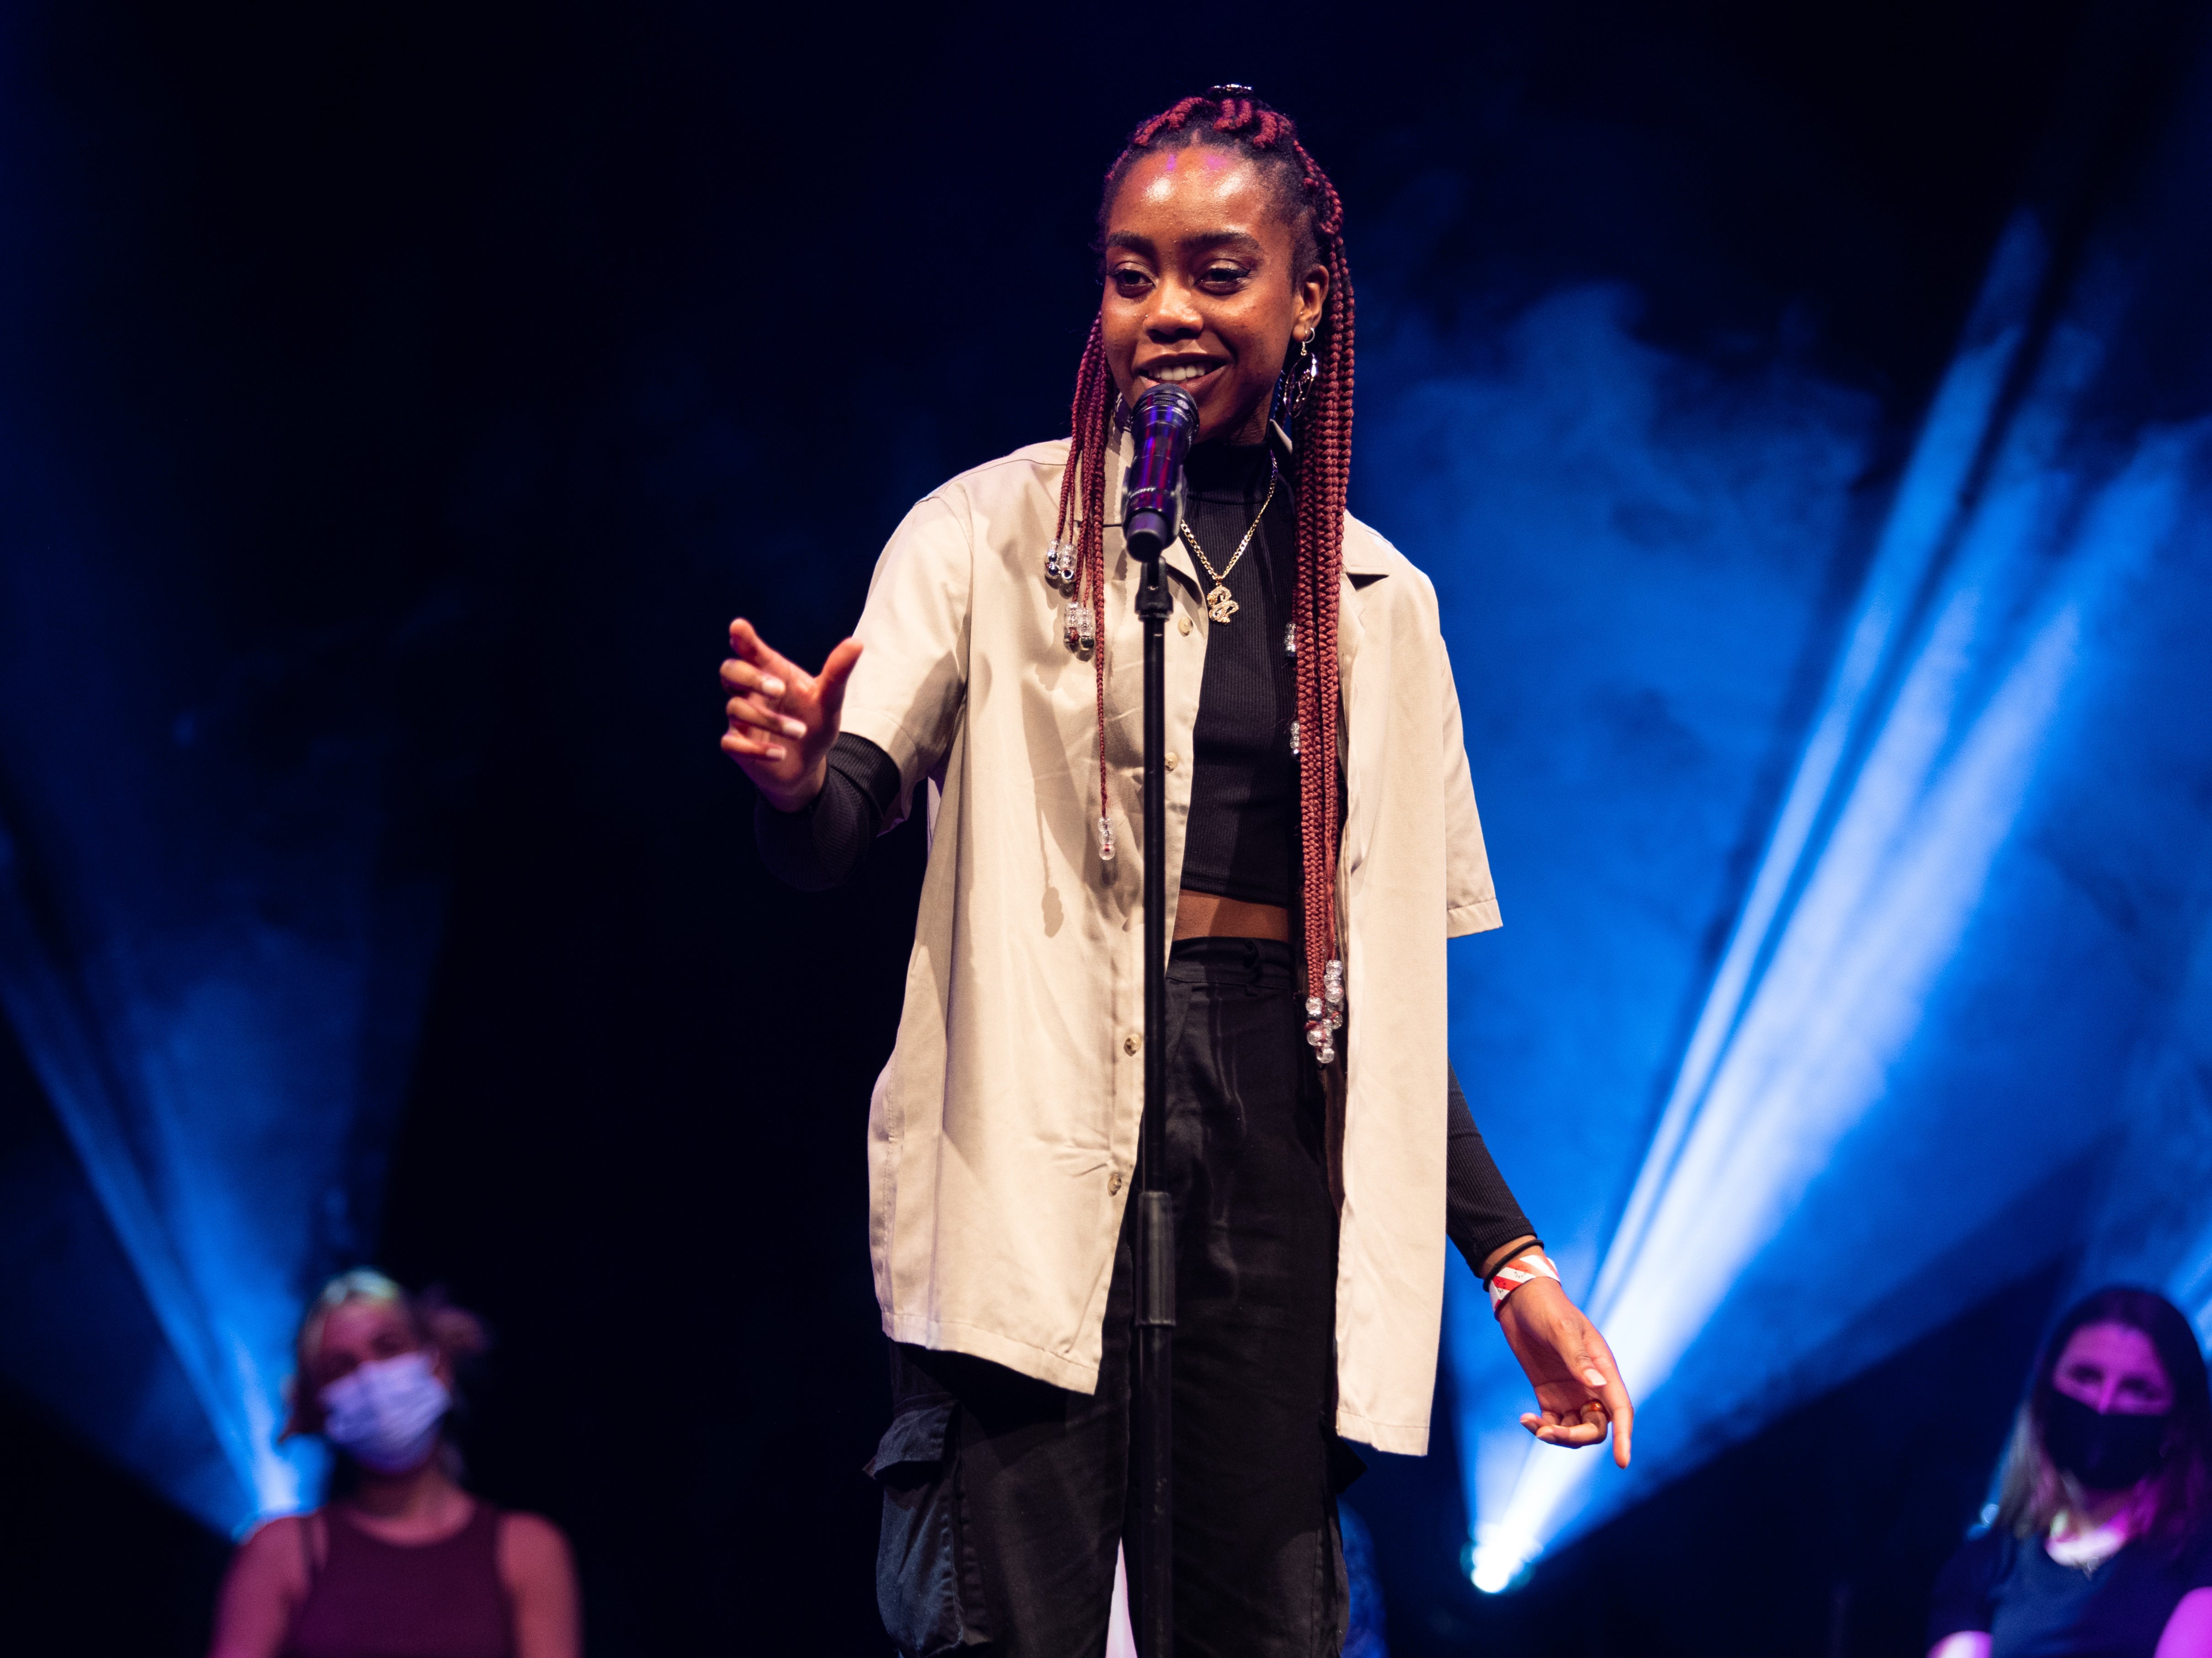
column 1164, row 420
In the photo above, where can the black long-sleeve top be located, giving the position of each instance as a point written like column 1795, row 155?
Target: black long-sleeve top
column 821, row 846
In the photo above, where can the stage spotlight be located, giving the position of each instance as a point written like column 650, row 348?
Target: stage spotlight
column 1500, row 1557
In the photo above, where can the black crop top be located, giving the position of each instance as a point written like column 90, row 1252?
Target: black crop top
column 1242, row 837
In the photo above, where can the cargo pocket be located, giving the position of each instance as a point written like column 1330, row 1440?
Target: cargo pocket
column 926, row 1586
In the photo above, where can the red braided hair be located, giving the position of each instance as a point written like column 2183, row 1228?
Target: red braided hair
column 1233, row 119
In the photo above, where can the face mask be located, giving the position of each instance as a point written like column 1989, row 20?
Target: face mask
column 2107, row 1453
column 385, row 1414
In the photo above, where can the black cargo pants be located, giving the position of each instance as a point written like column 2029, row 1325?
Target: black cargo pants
column 1003, row 1496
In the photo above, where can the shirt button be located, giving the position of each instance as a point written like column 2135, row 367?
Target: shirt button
column 1132, row 1043
column 1172, row 758
column 1182, row 624
column 1113, row 1184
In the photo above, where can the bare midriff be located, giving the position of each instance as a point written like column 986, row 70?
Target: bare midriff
column 1210, row 915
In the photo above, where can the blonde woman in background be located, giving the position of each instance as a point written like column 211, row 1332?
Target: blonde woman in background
column 402, row 1560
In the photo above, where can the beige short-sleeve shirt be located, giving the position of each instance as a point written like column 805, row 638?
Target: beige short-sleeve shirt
column 1004, row 1129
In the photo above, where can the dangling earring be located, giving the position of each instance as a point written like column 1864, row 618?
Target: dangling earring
column 1306, row 373
column 1292, row 387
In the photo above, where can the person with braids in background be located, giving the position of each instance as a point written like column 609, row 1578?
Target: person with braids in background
column 1322, row 844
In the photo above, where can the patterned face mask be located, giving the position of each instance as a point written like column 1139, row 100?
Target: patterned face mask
column 384, row 1415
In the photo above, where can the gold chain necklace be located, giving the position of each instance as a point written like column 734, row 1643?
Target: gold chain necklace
column 1218, row 604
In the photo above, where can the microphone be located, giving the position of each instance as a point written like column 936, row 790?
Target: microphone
column 1165, row 420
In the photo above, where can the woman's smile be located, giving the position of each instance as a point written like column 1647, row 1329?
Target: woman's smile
column 1193, row 373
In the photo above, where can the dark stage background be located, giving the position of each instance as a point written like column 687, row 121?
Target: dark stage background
column 399, row 402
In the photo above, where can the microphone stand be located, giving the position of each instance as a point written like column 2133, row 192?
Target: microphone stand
column 1165, row 420
column 1153, row 1592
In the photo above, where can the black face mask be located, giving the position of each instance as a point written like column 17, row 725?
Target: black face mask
column 2106, row 1453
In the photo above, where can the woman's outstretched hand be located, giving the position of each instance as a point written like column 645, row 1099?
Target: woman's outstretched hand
column 1578, row 1386
column 782, row 720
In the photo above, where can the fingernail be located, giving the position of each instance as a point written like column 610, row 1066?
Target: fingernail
column 793, row 728
column 772, row 685
column 775, row 752
column 1596, row 1378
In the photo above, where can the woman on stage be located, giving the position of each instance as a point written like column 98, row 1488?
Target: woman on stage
column 1321, row 846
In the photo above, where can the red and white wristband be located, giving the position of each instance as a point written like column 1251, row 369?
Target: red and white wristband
column 1529, row 1263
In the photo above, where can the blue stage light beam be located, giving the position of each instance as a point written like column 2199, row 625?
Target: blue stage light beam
column 222, row 1342
column 1917, row 762
column 1637, row 558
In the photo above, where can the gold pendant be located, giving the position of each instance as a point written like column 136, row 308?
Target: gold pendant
column 1219, row 605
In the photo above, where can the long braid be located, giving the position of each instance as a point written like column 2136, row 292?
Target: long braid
column 1090, row 423
column 1323, row 471
column 1324, row 448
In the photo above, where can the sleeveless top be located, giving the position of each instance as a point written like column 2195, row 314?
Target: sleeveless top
column 373, row 1598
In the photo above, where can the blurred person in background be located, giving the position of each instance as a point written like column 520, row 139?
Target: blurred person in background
column 2102, row 1544
column 402, row 1562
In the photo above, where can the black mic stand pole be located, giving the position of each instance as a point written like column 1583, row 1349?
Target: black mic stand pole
column 1166, row 421
column 1153, row 1592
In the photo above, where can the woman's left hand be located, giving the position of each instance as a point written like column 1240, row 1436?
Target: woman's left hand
column 1578, row 1386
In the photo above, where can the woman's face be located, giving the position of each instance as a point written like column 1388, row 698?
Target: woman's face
column 359, row 1333
column 2113, row 1369
column 1201, row 288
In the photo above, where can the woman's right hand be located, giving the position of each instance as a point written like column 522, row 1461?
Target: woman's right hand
column 782, row 720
